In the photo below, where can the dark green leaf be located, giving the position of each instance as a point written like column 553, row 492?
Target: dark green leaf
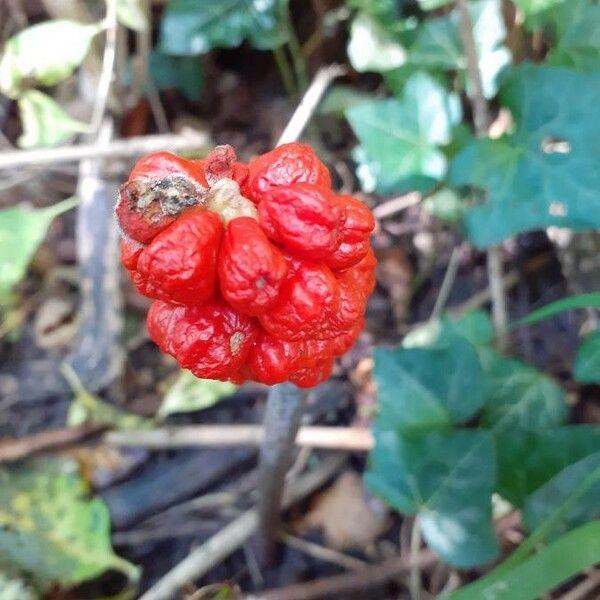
column 51, row 529
column 47, row 52
column 520, row 397
column 587, row 361
column 45, row 123
column 180, row 72
column 577, row 34
column 189, row 27
column 371, row 47
column 420, row 388
column 528, row 459
column 548, row 171
column 400, row 137
column 447, row 478
column 22, row 230
column 583, row 477
column 571, row 554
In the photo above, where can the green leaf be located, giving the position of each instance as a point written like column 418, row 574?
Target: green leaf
column 180, row 72
column 47, row 53
column 583, row 476
column 340, row 98
column 22, row 230
column 545, row 173
column 588, row 300
column 587, row 361
column 475, row 326
column 528, row 459
column 445, row 477
column 520, row 397
column 571, row 554
column 45, row 123
column 386, row 11
column 533, row 7
column 371, row 47
column 400, row 137
column 446, row 204
column 131, row 14
column 576, row 33
column 190, row 28
column 86, row 408
column 433, row 4
column 438, row 43
column 420, row 388
column 189, row 393
column 51, row 530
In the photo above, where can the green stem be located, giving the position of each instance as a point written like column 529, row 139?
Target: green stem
column 285, row 72
column 296, row 51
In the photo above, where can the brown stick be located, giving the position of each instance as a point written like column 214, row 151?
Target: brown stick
column 188, row 139
column 17, row 449
column 348, row 583
column 354, row 439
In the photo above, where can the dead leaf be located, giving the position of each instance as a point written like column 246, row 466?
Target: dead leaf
column 347, row 514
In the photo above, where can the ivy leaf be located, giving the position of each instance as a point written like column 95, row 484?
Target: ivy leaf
column 45, row 123
column 438, row 44
column 577, row 36
column 189, row 393
column 22, row 230
column 587, row 360
column 545, row 173
column 371, row 47
column 400, row 138
column 520, row 397
column 528, row 459
column 189, row 27
column 447, row 478
column 47, row 53
column 180, row 72
column 422, row 388
column 581, row 478
column 51, row 530
column 131, row 14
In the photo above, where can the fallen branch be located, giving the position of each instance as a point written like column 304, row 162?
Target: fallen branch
column 349, row 583
column 332, row 438
column 17, row 449
column 201, row 560
column 188, row 139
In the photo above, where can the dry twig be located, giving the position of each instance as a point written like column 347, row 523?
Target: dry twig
column 354, row 439
column 230, row 538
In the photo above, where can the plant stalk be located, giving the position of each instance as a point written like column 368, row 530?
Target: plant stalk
column 482, row 120
column 285, row 407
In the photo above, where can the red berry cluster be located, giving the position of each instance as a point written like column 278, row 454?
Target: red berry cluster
column 259, row 271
